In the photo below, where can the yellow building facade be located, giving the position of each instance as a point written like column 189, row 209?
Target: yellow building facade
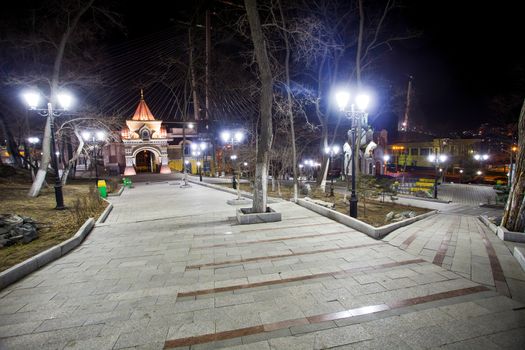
column 415, row 154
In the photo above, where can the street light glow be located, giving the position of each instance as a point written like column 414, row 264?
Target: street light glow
column 239, row 136
column 442, row 157
column 485, row 156
column 362, row 102
column 233, row 157
column 190, row 125
column 245, row 164
column 32, row 98
column 225, row 135
column 386, row 157
column 86, row 135
column 431, row 158
column 65, row 100
column 479, row 172
column 477, row 156
column 342, row 98
column 101, row 135
column 203, row 145
column 33, row 140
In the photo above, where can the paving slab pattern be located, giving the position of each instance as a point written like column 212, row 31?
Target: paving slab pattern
column 171, row 268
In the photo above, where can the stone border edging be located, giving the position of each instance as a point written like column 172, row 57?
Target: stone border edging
column 502, row 232
column 118, row 193
column 424, row 199
column 519, row 254
column 17, row 272
column 231, row 190
column 105, row 213
column 374, row 232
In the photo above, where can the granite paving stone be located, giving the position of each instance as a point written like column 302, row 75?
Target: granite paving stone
column 289, row 285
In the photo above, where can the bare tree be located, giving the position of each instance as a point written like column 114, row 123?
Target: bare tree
column 265, row 105
column 514, row 215
column 54, row 87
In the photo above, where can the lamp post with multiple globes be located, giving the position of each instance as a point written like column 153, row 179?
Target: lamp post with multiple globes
column 32, row 99
column 358, row 116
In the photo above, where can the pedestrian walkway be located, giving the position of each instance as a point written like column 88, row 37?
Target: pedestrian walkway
column 171, row 269
column 467, row 194
column 462, row 244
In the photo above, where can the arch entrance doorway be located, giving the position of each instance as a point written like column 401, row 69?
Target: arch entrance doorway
column 145, row 162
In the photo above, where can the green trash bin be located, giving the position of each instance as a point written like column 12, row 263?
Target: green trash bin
column 126, row 182
column 102, row 188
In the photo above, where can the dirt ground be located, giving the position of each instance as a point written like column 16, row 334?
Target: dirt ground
column 81, row 200
column 372, row 211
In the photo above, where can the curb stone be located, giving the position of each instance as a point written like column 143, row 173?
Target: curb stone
column 232, row 191
column 17, row 272
column 374, row 232
column 105, row 213
column 502, row 232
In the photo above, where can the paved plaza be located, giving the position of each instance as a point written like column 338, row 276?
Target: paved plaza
column 170, row 268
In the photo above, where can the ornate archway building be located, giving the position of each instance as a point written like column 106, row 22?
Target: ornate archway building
column 145, row 133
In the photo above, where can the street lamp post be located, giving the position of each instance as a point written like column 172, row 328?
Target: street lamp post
column 331, row 151
column 358, row 116
column 481, row 158
column 32, row 100
column 512, row 149
column 436, row 159
column 199, row 170
column 460, row 176
column 94, row 137
column 197, row 150
column 232, row 137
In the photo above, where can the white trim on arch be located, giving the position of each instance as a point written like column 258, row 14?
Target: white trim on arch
column 154, row 150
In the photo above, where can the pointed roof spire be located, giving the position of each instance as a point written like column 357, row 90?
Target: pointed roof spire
column 142, row 112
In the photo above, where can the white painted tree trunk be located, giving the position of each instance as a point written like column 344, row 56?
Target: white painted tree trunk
column 44, row 162
column 73, row 159
column 324, row 175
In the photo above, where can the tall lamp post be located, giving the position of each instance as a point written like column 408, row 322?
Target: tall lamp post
column 358, row 116
column 32, row 99
column 198, row 150
column 231, row 137
column 436, row 159
column 331, row 151
column 94, row 137
column 199, row 170
column 481, row 158
column 513, row 149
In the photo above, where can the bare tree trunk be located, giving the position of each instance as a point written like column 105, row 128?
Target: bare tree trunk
column 290, row 107
column 266, row 100
column 74, row 157
column 193, row 79
column 514, row 215
column 46, row 142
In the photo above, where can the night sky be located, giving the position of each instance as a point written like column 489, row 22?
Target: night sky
column 469, row 52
